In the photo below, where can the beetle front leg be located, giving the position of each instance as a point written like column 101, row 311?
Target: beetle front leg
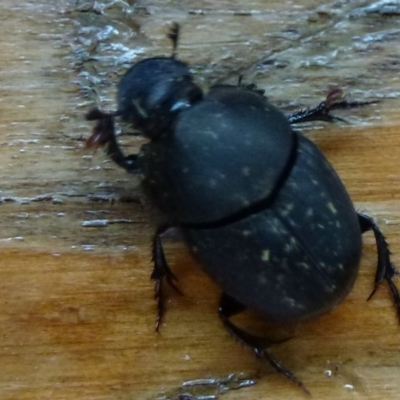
column 335, row 100
column 385, row 269
column 228, row 308
column 160, row 272
column 104, row 136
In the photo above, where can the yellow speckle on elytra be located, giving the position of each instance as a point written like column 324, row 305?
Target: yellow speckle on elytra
column 265, row 255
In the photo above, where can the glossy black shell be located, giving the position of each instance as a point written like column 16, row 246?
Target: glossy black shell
column 222, row 155
column 295, row 259
column 259, row 204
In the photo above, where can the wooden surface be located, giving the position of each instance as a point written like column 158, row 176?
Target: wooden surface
column 76, row 308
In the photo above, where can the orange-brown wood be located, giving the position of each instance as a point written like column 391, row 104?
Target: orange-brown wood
column 76, row 304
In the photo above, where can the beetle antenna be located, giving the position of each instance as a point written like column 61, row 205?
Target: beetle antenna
column 173, row 35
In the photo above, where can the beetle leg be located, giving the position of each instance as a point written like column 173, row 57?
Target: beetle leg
column 160, row 272
column 173, row 35
column 335, row 100
column 251, row 87
column 229, row 307
column 386, row 269
column 104, row 135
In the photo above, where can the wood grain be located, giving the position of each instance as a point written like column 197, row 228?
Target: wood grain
column 76, row 304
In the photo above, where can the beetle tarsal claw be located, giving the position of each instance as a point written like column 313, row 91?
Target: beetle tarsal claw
column 264, row 354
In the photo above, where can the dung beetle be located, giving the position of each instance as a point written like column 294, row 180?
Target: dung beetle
column 257, row 202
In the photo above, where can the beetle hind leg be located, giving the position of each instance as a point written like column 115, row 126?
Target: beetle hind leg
column 161, row 272
column 386, row 269
column 228, row 308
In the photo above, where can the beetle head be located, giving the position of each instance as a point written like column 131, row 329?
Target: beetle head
column 153, row 91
